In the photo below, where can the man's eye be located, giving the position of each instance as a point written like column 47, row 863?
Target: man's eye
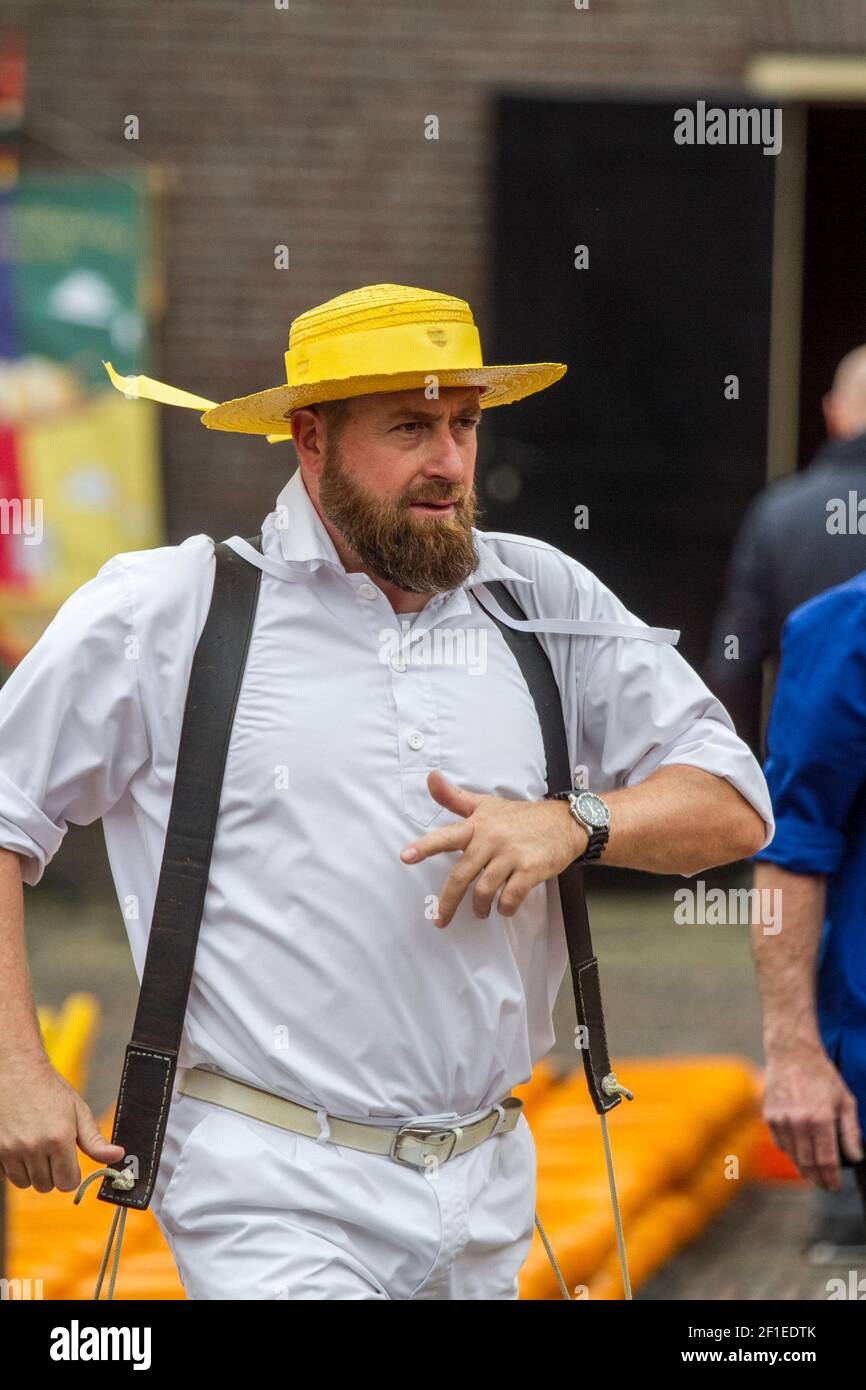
column 466, row 421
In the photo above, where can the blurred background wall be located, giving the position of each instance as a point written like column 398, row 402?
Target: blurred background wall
column 306, row 127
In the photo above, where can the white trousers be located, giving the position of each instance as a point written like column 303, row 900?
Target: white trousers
column 252, row 1211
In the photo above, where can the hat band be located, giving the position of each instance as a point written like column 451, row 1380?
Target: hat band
column 402, row 347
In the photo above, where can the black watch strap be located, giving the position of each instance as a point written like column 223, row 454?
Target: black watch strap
column 598, row 835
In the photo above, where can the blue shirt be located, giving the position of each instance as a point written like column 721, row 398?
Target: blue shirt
column 816, row 772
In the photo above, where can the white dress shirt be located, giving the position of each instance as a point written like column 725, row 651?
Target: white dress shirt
column 319, row 973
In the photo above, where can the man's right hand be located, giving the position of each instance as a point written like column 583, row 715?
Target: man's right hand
column 805, row 1099
column 41, row 1120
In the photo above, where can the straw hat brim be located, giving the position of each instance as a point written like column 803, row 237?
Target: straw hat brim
column 268, row 412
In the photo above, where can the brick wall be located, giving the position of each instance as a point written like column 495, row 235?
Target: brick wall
column 305, row 126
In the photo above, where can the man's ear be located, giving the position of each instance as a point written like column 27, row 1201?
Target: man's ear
column 308, row 437
column 829, row 412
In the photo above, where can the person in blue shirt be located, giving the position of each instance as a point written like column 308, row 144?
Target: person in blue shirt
column 812, row 969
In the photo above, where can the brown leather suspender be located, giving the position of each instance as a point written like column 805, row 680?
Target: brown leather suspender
column 151, row 1057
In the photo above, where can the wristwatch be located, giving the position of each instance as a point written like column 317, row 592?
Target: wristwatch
column 593, row 813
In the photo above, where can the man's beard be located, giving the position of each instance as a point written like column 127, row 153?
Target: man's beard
column 422, row 554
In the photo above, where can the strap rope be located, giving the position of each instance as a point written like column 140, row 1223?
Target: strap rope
column 124, row 1180
column 614, row 1201
column 617, row 1218
column 550, row 1255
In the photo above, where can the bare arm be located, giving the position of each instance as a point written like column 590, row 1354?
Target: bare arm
column 679, row 820
column 41, row 1116
column 785, row 961
column 20, row 1035
column 72, row 736
column 805, row 1097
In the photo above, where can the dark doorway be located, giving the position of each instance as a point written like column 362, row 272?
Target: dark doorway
column 675, row 300
column 834, row 257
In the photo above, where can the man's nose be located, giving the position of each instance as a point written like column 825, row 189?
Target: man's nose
column 446, row 459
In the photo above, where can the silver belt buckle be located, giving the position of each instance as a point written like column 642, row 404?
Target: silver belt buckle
column 423, row 1134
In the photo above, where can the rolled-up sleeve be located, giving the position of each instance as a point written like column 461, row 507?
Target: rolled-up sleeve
column 643, row 707
column 816, row 735
column 72, row 726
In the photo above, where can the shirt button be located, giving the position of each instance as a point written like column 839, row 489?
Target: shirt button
column 415, row 740
column 367, row 590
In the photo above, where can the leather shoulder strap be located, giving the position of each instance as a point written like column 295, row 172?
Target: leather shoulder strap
column 212, row 695
column 538, row 674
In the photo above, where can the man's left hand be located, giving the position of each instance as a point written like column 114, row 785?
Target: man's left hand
column 512, row 845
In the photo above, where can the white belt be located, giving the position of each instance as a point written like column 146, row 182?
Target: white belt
column 415, row 1144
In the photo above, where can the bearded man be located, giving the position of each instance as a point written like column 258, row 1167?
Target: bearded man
column 381, row 944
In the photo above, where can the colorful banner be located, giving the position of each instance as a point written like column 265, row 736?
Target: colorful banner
column 86, row 488
column 79, row 464
column 12, row 74
column 79, row 248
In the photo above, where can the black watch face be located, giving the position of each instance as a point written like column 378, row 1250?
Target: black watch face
column 593, row 809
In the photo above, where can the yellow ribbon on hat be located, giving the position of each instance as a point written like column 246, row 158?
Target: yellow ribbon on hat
column 399, row 347
column 134, row 387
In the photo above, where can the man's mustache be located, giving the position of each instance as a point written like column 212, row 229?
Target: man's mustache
column 417, row 497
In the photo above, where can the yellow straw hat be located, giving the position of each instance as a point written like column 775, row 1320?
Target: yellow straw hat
column 377, row 338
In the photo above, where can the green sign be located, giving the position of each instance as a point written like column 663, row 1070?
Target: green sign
column 80, row 249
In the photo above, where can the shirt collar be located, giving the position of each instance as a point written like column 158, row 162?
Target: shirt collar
column 303, row 542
